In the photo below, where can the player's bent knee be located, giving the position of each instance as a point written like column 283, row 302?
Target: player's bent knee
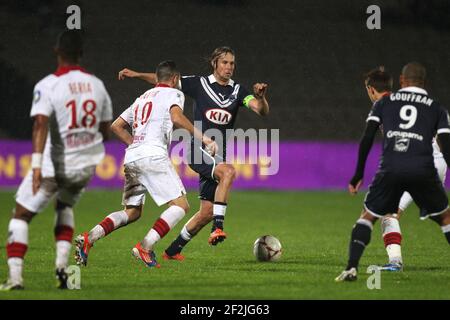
column 442, row 219
column 446, row 220
column 185, row 207
column 133, row 212
column 225, row 172
column 59, row 205
column 23, row 214
column 230, row 173
column 206, row 213
column 368, row 216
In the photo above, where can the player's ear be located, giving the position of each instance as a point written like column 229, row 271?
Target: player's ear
column 175, row 79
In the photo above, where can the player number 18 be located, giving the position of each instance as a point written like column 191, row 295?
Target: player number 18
column 88, row 120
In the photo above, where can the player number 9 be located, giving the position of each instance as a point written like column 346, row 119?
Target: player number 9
column 408, row 113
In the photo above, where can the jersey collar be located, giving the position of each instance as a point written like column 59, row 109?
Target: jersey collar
column 162, row 85
column 212, row 79
column 414, row 89
column 66, row 69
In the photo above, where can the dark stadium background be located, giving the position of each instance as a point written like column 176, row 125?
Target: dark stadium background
column 312, row 53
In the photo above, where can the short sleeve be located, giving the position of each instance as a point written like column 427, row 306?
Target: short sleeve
column 107, row 111
column 244, row 97
column 376, row 112
column 41, row 101
column 177, row 98
column 127, row 115
column 443, row 121
column 189, row 85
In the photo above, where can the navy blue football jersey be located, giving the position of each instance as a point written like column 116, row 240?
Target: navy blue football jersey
column 215, row 106
column 410, row 120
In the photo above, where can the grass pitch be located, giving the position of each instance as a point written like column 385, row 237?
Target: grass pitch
column 314, row 229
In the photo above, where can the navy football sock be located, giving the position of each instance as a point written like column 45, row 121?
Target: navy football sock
column 359, row 240
column 178, row 244
column 218, row 215
column 217, row 223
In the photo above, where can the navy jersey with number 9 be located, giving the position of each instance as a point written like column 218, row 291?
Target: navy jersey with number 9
column 410, row 120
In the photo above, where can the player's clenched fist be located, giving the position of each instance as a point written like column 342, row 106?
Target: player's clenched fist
column 260, row 89
column 127, row 73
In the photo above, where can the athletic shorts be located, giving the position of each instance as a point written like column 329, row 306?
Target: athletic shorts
column 406, row 199
column 205, row 165
column 67, row 187
column 387, row 188
column 155, row 175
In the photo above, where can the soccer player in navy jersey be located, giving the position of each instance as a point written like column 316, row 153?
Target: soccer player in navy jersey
column 217, row 99
column 410, row 120
column 379, row 84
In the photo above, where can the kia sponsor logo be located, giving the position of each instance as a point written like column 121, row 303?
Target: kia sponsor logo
column 218, row 116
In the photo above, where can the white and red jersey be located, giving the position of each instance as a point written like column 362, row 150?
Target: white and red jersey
column 149, row 118
column 76, row 102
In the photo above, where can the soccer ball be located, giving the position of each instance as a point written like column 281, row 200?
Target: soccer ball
column 267, row 248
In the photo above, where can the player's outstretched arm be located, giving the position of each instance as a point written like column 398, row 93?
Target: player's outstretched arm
column 120, row 128
column 364, row 148
column 180, row 121
column 39, row 137
column 128, row 73
column 259, row 104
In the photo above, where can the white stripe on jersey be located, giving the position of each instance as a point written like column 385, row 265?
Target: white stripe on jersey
column 443, row 130
column 223, row 104
column 374, row 118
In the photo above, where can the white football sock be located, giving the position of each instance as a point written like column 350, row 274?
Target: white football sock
column 18, row 231
column 219, row 210
column 168, row 219
column 112, row 222
column 150, row 239
column 394, row 252
column 64, row 225
column 15, row 270
column 390, row 228
column 405, row 201
column 16, row 248
column 185, row 234
column 64, row 217
column 173, row 215
column 62, row 254
column 96, row 233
